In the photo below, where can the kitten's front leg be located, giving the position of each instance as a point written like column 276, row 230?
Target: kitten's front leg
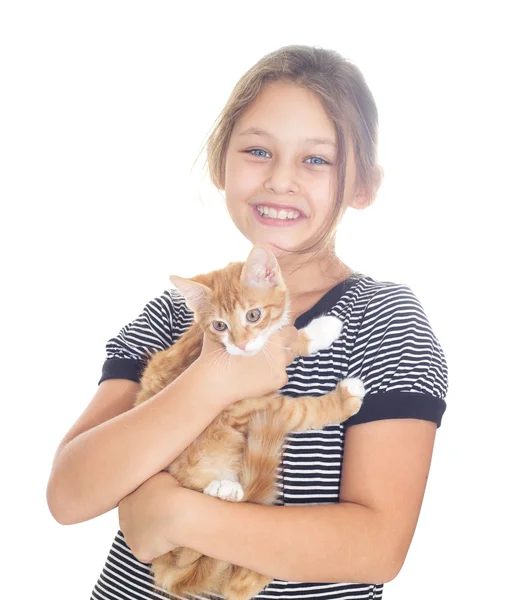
column 320, row 333
column 316, row 412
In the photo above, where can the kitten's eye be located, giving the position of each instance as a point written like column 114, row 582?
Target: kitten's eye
column 219, row 325
column 253, row 315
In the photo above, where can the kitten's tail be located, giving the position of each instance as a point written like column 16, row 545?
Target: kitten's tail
column 262, row 456
column 204, row 574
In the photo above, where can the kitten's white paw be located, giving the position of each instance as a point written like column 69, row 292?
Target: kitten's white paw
column 354, row 386
column 322, row 332
column 225, row 489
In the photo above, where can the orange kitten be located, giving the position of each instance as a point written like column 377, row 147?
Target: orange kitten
column 237, row 455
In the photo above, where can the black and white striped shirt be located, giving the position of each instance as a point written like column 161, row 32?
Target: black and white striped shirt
column 386, row 341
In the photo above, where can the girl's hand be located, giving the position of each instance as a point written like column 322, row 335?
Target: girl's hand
column 250, row 376
column 146, row 516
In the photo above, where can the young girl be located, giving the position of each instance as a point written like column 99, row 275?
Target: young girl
column 294, row 147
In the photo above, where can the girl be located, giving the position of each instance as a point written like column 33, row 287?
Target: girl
column 297, row 138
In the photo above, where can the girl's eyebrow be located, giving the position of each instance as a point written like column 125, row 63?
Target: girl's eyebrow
column 317, row 141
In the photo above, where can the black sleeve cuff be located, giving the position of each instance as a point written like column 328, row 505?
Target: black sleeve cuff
column 399, row 405
column 122, row 368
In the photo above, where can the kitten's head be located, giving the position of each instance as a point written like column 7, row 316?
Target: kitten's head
column 242, row 305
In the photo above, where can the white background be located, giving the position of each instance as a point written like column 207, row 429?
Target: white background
column 104, row 108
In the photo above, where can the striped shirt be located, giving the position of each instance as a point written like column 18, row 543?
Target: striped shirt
column 386, row 341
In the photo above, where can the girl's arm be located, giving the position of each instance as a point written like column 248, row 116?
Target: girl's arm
column 107, row 454
column 364, row 538
column 114, row 447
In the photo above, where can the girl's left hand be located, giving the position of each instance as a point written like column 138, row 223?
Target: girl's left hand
column 146, row 516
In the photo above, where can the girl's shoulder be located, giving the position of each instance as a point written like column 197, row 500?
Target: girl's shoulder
column 159, row 324
column 361, row 289
column 387, row 340
column 366, row 301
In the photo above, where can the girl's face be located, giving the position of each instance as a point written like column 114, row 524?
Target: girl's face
column 280, row 168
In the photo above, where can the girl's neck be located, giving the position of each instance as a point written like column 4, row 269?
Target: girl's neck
column 306, row 274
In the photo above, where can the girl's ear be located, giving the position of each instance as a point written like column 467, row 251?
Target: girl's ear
column 196, row 294
column 365, row 195
column 261, row 269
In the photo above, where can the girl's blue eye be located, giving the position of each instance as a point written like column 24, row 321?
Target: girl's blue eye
column 317, row 158
column 313, row 160
column 255, row 152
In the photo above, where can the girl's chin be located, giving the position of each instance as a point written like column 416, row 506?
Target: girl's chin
column 277, row 248
column 280, row 241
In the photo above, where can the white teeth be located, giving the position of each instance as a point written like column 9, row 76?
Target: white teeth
column 281, row 214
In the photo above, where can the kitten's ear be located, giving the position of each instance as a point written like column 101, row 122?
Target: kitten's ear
column 261, row 268
column 196, row 294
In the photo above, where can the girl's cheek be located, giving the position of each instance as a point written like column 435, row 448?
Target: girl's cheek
column 241, row 181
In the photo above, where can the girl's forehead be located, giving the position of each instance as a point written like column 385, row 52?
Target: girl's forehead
column 286, row 107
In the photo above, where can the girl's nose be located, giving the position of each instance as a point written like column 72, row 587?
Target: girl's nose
column 282, row 180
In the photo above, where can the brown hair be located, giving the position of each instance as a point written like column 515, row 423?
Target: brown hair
column 344, row 95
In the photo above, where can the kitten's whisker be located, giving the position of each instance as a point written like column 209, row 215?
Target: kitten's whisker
column 266, row 354
column 214, row 358
column 284, row 347
column 214, row 351
column 279, row 345
column 225, row 361
column 220, row 363
column 228, row 360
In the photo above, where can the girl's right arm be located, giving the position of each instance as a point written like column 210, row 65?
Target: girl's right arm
column 113, row 448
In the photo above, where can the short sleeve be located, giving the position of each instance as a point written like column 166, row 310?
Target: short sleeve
column 128, row 353
column 399, row 360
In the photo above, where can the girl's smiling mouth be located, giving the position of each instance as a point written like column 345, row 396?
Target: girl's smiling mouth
column 276, row 215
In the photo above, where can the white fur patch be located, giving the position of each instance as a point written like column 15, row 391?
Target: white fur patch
column 354, row 386
column 225, row 489
column 233, row 350
column 252, row 347
column 256, row 344
column 323, row 332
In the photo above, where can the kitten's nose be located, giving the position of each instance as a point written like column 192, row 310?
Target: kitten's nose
column 241, row 346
